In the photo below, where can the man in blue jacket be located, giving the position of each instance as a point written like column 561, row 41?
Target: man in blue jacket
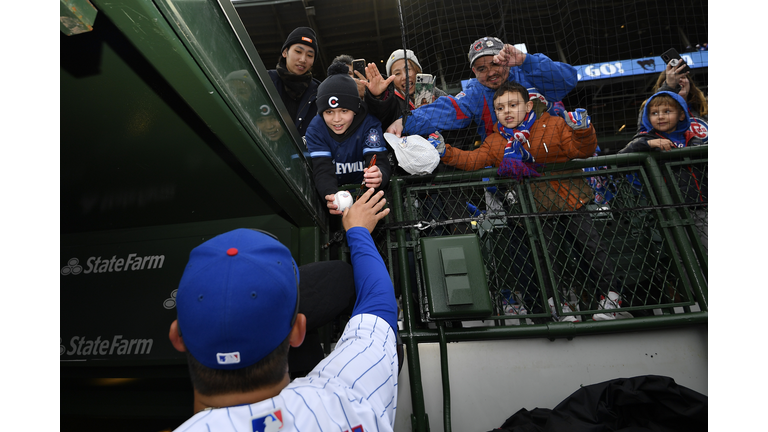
column 492, row 62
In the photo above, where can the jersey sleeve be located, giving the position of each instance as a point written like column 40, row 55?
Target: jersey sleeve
column 445, row 113
column 316, row 145
column 374, row 138
column 324, row 177
column 553, row 79
column 375, row 293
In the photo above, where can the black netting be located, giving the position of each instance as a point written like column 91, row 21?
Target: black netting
column 589, row 229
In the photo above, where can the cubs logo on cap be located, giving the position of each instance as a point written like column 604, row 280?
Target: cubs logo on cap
column 478, row 46
column 333, row 102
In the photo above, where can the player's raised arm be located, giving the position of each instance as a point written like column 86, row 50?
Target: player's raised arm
column 375, row 294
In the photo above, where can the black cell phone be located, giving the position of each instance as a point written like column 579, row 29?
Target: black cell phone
column 672, row 55
column 358, row 65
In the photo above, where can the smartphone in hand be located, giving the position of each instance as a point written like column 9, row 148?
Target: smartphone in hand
column 672, row 56
column 424, row 89
column 359, row 66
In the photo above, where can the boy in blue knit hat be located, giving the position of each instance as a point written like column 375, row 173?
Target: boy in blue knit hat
column 343, row 139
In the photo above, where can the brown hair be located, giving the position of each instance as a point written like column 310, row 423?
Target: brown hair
column 513, row 87
column 695, row 99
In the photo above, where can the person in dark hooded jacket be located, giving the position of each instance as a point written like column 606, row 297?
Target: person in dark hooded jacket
column 293, row 77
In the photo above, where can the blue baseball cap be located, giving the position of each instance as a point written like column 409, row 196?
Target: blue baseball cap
column 237, row 299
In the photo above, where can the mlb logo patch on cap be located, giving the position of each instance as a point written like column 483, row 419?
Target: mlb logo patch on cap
column 228, row 358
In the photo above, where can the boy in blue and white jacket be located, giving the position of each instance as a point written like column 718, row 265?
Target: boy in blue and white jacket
column 343, row 138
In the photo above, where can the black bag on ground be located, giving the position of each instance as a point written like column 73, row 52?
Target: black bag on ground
column 643, row 403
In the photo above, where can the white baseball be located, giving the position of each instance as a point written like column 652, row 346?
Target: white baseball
column 343, row 200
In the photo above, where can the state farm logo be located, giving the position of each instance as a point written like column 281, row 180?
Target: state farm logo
column 116, row 345
column 72, row 267
column 132, row 262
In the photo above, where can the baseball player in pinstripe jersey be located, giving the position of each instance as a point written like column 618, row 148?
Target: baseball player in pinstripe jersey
column 237, row 307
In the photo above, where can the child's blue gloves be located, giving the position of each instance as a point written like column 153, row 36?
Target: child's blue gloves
column 438, row 142
column 578, row 119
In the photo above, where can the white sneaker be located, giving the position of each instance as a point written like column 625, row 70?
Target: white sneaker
column 612, row 302
column 566, row 309
column 516, row 309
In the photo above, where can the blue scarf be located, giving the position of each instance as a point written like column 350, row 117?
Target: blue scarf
column 517, row 162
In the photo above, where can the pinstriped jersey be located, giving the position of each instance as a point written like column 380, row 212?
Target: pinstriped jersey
column 353, row 389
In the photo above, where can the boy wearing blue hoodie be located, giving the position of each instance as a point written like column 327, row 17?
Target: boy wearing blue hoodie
column 666, row 126
column 665, row 123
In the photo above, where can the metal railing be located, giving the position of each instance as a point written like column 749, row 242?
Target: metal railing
column 551, row 256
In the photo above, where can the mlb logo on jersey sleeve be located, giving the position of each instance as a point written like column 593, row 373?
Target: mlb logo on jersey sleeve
column 272, row 421
column 374, row 139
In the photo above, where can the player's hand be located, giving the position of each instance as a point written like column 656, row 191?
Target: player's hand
column 663, row 144
column 376, row 83
column 366, row 211
column 437, row 140
column 673, row 74
column 396, row 127
column 372, row 177
column 578, row 119
column 509, row 56
column 332, row 208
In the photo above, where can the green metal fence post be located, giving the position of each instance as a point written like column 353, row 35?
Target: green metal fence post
column 681, row 239
column 445, row 377
column 419, row 419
